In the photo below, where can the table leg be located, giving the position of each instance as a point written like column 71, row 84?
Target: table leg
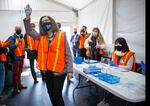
column 78, row 87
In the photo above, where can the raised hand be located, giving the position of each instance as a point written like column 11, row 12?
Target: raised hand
column 28, row 10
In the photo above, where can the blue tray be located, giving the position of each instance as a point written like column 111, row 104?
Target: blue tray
column 92, row 70
column 109, row 78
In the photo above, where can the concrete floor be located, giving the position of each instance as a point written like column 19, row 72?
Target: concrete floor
column 36, row 94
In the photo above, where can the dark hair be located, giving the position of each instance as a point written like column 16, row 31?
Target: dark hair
column 85, row 27
column 123, row 42
column 59, row 24
column 54, row 25
column 33, row 24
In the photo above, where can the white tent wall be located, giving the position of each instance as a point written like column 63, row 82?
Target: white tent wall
column 98, row 14
column 12, row 14
column 8, row 21
column 130, row 23
column 115, row 18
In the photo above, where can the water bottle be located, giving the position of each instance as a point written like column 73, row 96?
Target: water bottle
column 27, row 9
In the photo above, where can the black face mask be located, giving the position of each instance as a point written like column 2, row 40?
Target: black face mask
column 18, row 31
column 75, row 32
column 21, row 36
column 118, row 48
column 47, row 26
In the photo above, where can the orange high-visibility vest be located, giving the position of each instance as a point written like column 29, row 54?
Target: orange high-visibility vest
column 124, row 59
column 2, row 56
column 32, row 43
column 6, row 43
column 56, row 54
column 42, row 53
column 19, row 50
column 51, row 57
column 81, row 41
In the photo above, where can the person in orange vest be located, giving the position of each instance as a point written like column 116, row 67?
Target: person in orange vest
column 54, row 56
column 82, row 38
column 17, row 46
column 122, row 56
column 31, row 45
column 85, row 29
column 95, row 45
column 3, row 51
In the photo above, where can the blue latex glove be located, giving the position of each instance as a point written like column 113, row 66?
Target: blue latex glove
column 111, row 63
column 143, row 65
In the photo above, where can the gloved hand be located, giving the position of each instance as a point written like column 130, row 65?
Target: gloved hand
column 111, row 63
column 143, row 65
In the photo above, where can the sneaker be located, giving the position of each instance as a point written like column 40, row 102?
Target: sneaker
column 21, row 87
column 16, row 91
column 36, row 81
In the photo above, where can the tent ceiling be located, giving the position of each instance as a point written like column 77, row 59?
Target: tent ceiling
column 44, row 4
column 48, row 5
column 76, row 4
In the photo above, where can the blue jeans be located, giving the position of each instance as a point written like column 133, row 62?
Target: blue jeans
column 75, row 51
column 2, row 77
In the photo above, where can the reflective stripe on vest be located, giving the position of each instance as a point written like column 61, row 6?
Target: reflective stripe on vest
column 56, row 53
column 42, row 40
column 56, row 58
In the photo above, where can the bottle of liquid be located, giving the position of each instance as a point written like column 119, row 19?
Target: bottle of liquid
column 27, row 9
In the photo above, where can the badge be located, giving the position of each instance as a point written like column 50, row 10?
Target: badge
column 121, row 61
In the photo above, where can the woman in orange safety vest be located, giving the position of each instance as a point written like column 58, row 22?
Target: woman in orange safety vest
column 82, row 37
column 53, row 50
column 95, row 45
column 122, row 56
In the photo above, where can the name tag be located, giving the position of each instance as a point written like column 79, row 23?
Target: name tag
column 122, row 61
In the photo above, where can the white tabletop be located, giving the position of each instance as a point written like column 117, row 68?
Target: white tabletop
column 130, row 88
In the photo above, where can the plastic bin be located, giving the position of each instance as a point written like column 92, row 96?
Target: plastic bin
column 92, row 69
column 78, row 60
